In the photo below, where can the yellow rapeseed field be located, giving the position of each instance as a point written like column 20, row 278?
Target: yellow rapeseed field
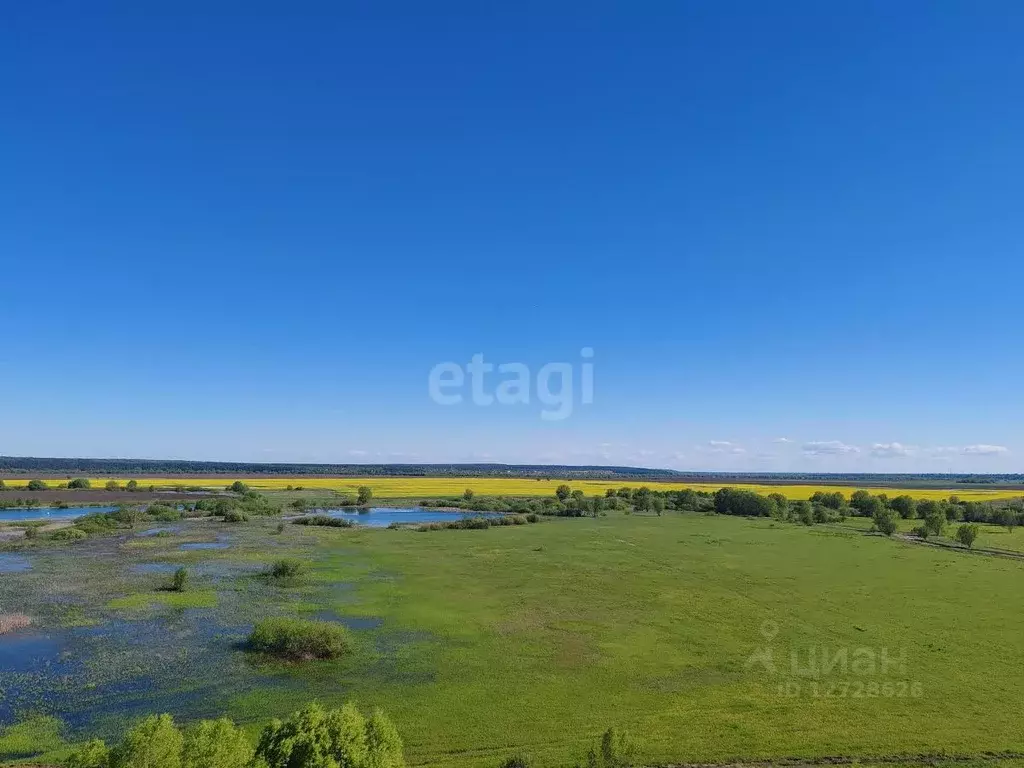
column 418, row 487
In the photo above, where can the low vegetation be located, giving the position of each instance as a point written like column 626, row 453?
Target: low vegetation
column 299, row 639
column 324, row 520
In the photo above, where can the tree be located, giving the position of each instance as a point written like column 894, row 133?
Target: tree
column 966, row 534
column 365, row 494
column 216, row 744
column 154, row 743
column 383, row 744
column 92, row 754
column 803, row 511
column 658, row 505
column 596, row 505
column 37, row 485
column 642, row 500
column 885, row 520
column 563, row 492
column 79, row 483
column 861, row 501
column 934, row 519
column 687, row 499
column 112, row 485
column 905, row 506
column 179, row 581
column 781, row 505
column 320, row 738
column 468, row 494
column 238, row 487
column 131, row 485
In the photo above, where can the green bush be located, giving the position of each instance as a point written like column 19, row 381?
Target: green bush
column 67, row 534
column 287, row 569
column 216, row 744
column 92, row 754
column 299, row 639
column 163, row 513
column 966, row 534
column 234, row 516
column 37, row 485
column 179, row 581
column 238, row 487
column 340, row 737
column 324, row 520
column 79, row 482
column 155, row 742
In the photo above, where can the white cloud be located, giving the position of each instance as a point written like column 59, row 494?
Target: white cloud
column 725, row 446
column 890, row 450
column 984, row 450
column 782, row 440
column 828, row 448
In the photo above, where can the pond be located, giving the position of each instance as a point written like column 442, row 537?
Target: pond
column 19, row 514
column 382, row 517
column 14, row 564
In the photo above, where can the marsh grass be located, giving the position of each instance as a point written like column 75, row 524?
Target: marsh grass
column 11, row 622
column 299, row 639
column 324, row 520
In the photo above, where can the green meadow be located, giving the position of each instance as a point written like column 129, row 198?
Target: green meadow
column 708, row 638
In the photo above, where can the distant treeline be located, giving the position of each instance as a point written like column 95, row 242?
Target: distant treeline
column 29, row 465
column 65, row 466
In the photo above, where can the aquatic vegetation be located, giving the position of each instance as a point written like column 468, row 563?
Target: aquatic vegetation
column 299, row 639
column 10, row 622
column 179, row 581
column 287, row 569
column 324, row 520
column 197, row 598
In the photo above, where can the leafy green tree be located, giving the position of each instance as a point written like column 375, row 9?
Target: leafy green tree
column 92, row 754
column 383, row 744
column 131, row 485
column 317, row 738
column 155, row 742
column 803, row 511
column 905, row 506
column 658, row 505
column 597, row 505
column 37, row 485
column 468, row 494
column 861, row 501
column 365, row 494
column 642, row 499
column 687, row 499
column 563, row 492
column 966, row 534
column 238, row 487
column 80, row 483
column 885, row 520
column 112, row 485
column 216, row 744
column 934, row 517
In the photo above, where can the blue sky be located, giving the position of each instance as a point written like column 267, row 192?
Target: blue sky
column 791, row 232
